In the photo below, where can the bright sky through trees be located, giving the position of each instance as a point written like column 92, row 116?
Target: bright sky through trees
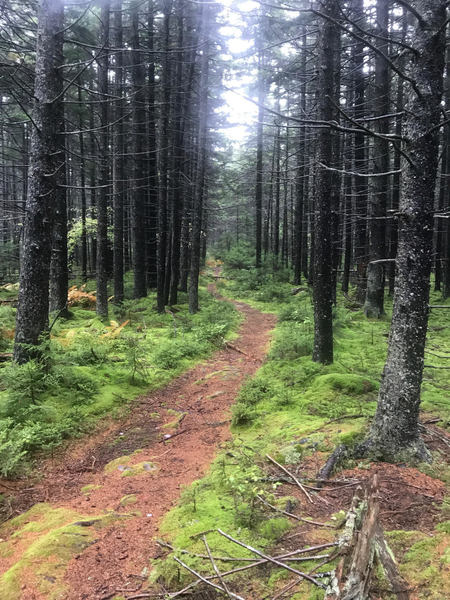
column 239, row 112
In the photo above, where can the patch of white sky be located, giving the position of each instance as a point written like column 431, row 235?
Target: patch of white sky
column 240, row 114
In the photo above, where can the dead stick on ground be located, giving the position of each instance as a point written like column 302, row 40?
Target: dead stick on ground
column 272, row 560
column 173, row 435
column 216, row 570
column 210, row 583
column 288, row 514
column 292, row 476
column 205, row 556
column 235, row 348
column 256, row 563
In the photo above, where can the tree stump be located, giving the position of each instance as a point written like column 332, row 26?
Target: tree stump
column 362, row 548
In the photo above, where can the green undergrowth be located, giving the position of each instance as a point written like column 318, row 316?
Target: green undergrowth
column 91, row 368
column 290, row 409
column 424, row 560
column 43, row 540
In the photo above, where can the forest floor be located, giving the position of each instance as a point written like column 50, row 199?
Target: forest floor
column 132, row 472
column 102, row 517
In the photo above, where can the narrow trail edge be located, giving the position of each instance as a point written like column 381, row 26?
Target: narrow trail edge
column 146, row 484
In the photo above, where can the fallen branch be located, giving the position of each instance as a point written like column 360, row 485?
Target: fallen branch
column 205, row 580
column 235, row 348
column 301, row 486
column 272, row 560
column 328, row 468
column 292, row 516
column 173, row 435
column 216, row 570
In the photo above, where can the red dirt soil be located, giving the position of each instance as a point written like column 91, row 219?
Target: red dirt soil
column 201, row 398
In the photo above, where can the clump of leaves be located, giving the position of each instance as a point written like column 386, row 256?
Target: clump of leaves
column 79, row 297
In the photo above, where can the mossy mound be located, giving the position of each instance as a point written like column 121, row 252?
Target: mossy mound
column 128, row 499
column 48, row 539
column 424, row 560
column 143, row 468
column 122, row 464
column 117, row 463
column 87, row 489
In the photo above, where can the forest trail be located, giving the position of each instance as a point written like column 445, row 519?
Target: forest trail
column 168, row 441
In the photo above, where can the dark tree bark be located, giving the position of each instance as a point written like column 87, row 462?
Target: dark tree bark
column 201, row 168
column 395, row 198
column 445, row 190
column 139, row 180
column 259, row 158
column 59, row 272
column 152, row 207
column 395, row 429
column 323, row 279
column 164, row 166
column 118, row 158
column 374, row 303
column 46, row 161
column 102, row 194
column 84, row 249
column 276, row 216
column 177, row 166
column 360, row 185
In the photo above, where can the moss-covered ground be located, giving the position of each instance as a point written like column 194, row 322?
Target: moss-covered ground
column 91, row 368
column 292, row 410
column 40, row 544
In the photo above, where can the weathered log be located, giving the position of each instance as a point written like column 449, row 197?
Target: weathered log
column 327, row 470
column 362, row 547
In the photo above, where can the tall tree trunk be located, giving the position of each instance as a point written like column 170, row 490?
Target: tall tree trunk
column 276, row 217
column 46, row 161
column 374, row 303
column 259, row 157
column 445, row 189
column 178, row 161
column 152, row 207
column 59, row 271
column 395, row 429
column 84, row 253
column 360, row 185
column 102, row 195
column 164, row 165
column 201, row 168
column 118, row 158
column 139, row 180
column 323, row 280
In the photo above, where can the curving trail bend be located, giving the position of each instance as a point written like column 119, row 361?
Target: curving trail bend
column 195, row 411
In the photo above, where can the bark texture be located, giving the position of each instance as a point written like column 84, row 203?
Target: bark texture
column 46, row 161
column 395, row 430
column 374, row 303
column 323, row 280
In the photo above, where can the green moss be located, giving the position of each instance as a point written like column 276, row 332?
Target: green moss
column 273, row 529
column 51, row 538
column 174, row 424
column 97, row 368
column 142, row 468
column 128, row 499
column 117, row 464
column 287, row 410
column 424, row 560
column 87, row 489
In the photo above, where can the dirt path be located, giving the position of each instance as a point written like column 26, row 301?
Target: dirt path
column 173, row 435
